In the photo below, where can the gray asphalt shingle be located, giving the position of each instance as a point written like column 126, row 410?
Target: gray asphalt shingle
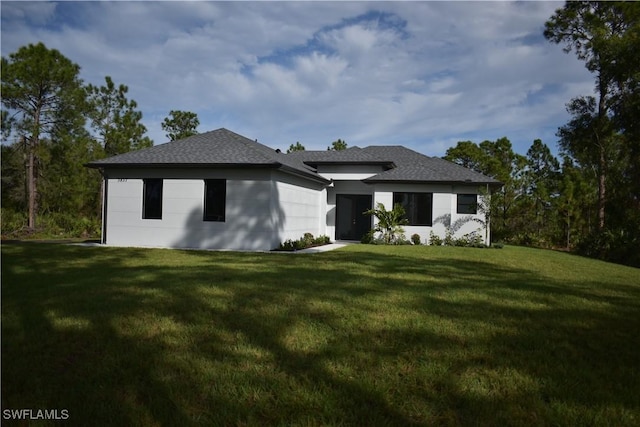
column 223, row 148
column 218, row 147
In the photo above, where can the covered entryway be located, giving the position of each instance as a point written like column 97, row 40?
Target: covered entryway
column 351, row 222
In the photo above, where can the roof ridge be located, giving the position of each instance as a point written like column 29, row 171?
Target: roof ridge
column 255, row 146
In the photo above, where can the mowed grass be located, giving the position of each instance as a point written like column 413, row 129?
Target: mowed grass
column 365, row 335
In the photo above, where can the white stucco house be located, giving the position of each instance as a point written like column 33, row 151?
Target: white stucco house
column 221, row 190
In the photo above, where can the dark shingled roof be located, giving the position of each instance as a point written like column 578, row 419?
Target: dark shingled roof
column 352, row 155
column 415, row 167
column 223, row 148
column 218, row 148
column 404, row 165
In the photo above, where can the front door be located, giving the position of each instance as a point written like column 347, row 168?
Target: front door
column 351, row 222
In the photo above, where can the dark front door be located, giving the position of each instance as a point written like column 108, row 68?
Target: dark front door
column 351, row 222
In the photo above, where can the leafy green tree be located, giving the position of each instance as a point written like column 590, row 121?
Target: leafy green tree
column 337, row 145
column 593, row 30
column 575, row 203
column 296, row 147
column 541, row 180
column 467, row 154
column 115, row 119
column 180, row 124
column 497, row 160
column 43, row 93
column 389, row 222
column 14, row 178
column 71, row 189
column 589, row 137
column 7, row 124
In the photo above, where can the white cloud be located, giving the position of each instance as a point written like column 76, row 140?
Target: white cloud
column 423, row 74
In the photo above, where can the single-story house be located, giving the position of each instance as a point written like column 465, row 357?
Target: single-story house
column 221, row 190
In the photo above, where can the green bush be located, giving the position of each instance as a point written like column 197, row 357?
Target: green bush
column 448, row 238
column 415, row 239
column 12, row 221
column 50, row 225
column 434, row 239
column 306, row 241
column 368, row 238
column 321, row 240
column 619, row 246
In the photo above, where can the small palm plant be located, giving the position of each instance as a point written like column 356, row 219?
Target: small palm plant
column 389, row 222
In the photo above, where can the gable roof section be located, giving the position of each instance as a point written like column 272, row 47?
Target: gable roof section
column 218, row 148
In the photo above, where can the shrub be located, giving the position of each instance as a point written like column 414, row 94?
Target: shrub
column 434, row 239
column 367, row 239
column 619, row 246
column 287, row 245
column 415, row 239
column 321, row 240
column 306, row 241
column 448, row 238
column 389, row 222
column 12, row 221
column 50, row 225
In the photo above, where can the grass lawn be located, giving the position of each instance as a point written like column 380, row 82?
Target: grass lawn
column 365, row 335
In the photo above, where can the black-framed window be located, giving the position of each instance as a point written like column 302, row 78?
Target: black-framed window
column 467, row 204
column 418, row 207
column 152, row 199
column 215, row 196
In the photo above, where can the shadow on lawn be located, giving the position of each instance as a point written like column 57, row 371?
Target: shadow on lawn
column 470, row 343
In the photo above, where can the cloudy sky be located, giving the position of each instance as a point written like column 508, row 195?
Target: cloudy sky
column 421, row 74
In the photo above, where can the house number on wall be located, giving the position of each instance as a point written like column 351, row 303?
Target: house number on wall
column 122, row 179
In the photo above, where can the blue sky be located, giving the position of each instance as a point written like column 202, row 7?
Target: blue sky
column 421, row 74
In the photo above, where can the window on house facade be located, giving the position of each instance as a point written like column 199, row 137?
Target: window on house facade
column 467, row 204
column 152, row 199
column 215, row 195
column 418, row 207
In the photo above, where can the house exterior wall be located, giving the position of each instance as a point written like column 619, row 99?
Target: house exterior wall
column 444, row 208
column 260, row 210
column 298, row 207
column 264, row 207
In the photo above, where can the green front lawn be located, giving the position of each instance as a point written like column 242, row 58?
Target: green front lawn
column 365, row 335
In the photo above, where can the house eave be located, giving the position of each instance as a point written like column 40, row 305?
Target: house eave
column 386, row 164
column 273, row 165
column 292, row 171
column 492, row 184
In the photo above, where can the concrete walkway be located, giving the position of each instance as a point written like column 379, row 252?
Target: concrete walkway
column 323, row 248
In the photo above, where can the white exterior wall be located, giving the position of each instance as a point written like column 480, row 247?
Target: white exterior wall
column 263, row 207
column 298, row 207
column 259, row 210
column 444, row 208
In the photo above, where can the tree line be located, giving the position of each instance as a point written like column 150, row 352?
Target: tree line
column 587, row 200
column 52, row 124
